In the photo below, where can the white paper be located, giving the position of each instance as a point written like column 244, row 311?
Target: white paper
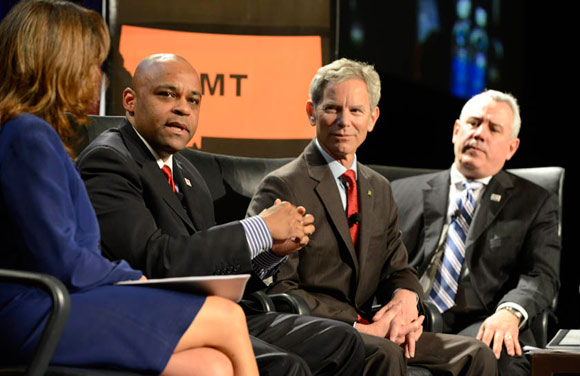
column 227, row 286
column 572, row 338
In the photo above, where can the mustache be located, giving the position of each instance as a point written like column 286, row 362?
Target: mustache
column 177, row 124
column 474, row 144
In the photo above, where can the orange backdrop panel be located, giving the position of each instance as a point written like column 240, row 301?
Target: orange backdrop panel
column 260, row 83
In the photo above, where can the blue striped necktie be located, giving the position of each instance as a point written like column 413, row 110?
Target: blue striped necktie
column 447, row 277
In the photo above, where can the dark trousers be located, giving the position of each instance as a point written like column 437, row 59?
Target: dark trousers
column 468, row 324
column 286, row 344
column 442, row 354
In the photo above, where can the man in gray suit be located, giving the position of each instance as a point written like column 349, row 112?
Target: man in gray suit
column 507, row 272
column 356, row 253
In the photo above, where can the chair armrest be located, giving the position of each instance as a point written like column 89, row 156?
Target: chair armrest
column 257, row 302
column 433, row 319
column 56, row 320
column 539, row 326
column 290, row 303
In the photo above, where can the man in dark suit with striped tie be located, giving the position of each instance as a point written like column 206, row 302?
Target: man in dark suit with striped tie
column 485, row 242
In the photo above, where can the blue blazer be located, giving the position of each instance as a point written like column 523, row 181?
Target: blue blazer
column 47, row 225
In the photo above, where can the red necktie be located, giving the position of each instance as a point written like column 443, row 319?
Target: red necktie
column 351, row 203
column 167, row 172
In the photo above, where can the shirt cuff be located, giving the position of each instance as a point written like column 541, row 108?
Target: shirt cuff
column 257, row 234
column 266, row 264
column 518, row 308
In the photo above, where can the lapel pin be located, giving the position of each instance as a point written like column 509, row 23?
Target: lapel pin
column 187, row 182
column 369, row 192
column 495, row 197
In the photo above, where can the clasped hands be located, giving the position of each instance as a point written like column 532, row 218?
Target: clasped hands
column 398, row 321
column 503, row 329
column 289, row 226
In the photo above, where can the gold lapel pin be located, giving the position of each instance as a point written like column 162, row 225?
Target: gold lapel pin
column 187, row 181
column 369, row 192
column 495, row 197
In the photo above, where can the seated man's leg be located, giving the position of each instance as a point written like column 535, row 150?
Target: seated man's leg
column 382, row 357
column 328, row 347
column 508, row 365
column 273, row 361
column 453, row 354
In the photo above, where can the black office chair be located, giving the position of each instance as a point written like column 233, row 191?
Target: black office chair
column 551, row 179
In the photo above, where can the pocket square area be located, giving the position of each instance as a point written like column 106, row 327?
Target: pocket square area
column 495, row 242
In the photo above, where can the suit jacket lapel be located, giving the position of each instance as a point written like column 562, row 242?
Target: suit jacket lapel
column 152, row 172
column 196, row 194
column 487, row 209
column 328, row 193
column 435, row 199
column 365, row 202
column 187, row 193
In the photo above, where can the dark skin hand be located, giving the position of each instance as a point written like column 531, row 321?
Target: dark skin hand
column 289, row 226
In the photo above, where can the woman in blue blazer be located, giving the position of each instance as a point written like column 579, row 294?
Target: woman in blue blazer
column 50, row 58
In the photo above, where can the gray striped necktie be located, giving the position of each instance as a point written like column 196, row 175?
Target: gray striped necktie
column 447, row 277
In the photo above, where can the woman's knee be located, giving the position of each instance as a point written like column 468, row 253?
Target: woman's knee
column 201, row 361
column 216, row 363
column 225, row 312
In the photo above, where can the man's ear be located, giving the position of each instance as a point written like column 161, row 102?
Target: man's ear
column 374, row 117
column 129, row 101
column 311, row 112
column 455, row 130
column 512, row 148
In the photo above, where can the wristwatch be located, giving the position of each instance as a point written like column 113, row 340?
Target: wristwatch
column 517, row 313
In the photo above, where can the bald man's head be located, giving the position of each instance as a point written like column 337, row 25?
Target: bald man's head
column 148, row 65
column 163, row 102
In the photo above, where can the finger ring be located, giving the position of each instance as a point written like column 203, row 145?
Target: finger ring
column 508, row 336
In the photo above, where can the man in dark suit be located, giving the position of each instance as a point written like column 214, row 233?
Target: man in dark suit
column 357, row 252
column 511, row 251
column 155, row 211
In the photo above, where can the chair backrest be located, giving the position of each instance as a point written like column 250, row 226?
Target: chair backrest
column 97, row 125
column 233, row 180
column 550, row 178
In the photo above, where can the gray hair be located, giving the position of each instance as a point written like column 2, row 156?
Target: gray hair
column 498, row 96
column 342, row 70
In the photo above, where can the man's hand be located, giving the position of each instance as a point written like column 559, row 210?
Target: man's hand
column 413, row 335
column 380, row 327
column 502, row 328
column 408, row 301
column 289, row 226
column 405, row 328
